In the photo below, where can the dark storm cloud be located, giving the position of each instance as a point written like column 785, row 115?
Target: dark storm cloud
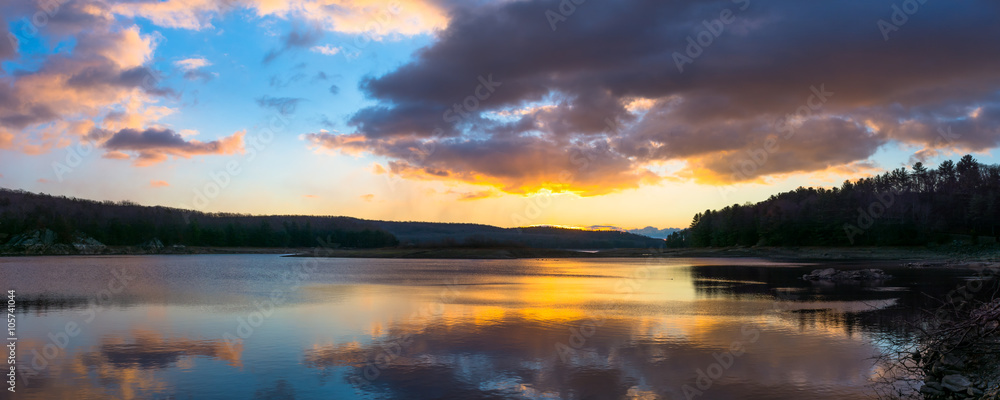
column 935, row 70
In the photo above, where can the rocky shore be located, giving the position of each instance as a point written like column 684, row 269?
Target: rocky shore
column 948, row 377
column 860, row 275
column 46, row 242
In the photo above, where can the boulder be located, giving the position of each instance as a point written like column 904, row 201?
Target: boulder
column 956, row 383
column 154, row 245
column 930, row 390
column 36, row 241
column 953, row 361
column 87, row 245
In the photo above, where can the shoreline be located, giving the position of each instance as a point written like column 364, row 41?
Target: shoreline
column 922, row 256
column 919, row 256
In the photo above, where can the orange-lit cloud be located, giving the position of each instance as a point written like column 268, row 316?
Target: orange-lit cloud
column 6, row 139
column 152, row 146
column 157, row 184
column 483, row 194
column 375, row 18
column 189, row 64
column 185, row 14
column 517, row 166
column 104, row 76
column 104, row 85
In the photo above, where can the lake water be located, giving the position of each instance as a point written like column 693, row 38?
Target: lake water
column 269, row 327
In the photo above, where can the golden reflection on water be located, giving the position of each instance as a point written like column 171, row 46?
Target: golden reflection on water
column 658, row 332
column 530, row 328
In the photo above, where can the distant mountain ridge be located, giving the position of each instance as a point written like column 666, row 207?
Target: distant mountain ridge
column 654, row 232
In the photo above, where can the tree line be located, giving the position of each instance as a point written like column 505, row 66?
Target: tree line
column 915, row 206
column 126, row 223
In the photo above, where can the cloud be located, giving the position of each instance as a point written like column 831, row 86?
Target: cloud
column 368, row 197
column 153, row 145
column 6, row 140
column 199, row 75
column 595, row 105
column 283, row 105
column 483, row 194
column 184, row 14
column 518, row 165
column 334, row 90
column 293, row 40
column 105, row 81
column 158, row 184
column 373, row 18
column 8, row 44
column 127, row 47
column 190, row 64
column 115, row 155
column 370, row 17
column 192, row 68
column 326, row 50
column 276, row 82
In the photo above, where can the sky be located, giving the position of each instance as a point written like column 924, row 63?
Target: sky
column 503, row 112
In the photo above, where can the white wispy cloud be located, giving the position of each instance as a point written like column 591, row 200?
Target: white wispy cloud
column 326, row 50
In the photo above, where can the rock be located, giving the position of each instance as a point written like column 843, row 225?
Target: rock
column 87, row 245
column 44, row 241
column 950, row 360
column 153, row 244
column 60, row 249
column 928, row 390
column 956, row 383
column 36, row 241
column 36, row 237
column 830, row 274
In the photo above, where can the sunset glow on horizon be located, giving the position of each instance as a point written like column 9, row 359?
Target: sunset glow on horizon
column 501, row 112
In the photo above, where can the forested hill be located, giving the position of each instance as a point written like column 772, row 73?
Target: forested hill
column 129, row 224
column 900, row 207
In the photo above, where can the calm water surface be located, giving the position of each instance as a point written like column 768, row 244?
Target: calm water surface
column 269, row 327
